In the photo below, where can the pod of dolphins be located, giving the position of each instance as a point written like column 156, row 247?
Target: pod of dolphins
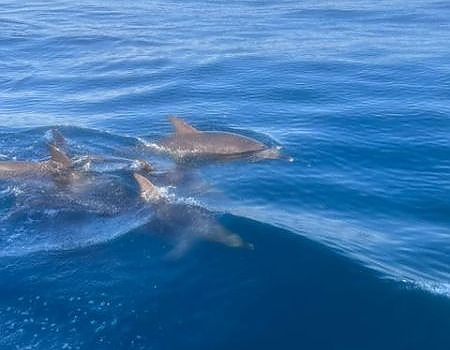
column 186, row 143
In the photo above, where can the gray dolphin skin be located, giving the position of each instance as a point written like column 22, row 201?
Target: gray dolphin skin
column 187, row 142
column 57, row 164
column 59, row 143
column 58, row 139
column 196, row 222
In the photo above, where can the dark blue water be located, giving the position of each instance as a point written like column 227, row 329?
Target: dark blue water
column 351, row 240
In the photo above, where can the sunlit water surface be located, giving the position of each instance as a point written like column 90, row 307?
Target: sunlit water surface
column 351, row 239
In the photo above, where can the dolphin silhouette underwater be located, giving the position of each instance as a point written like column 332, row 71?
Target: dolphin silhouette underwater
column 189, row 142
column 191, row 221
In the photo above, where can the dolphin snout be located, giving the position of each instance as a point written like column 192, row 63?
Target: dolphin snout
column 234, row 241
column 274, row 153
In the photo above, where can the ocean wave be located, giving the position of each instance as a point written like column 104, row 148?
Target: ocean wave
column 374, row 248
column 35, row 236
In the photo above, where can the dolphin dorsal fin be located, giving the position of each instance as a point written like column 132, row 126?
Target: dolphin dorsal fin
column 181, row 127
column 149, row 192
column 58, row 138
column 59, row 156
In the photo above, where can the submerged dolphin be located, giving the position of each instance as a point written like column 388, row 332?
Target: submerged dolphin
column 194, row 221
column 58, row 164
column 188, row 142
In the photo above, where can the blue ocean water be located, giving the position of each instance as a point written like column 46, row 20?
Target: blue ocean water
column 351, row 239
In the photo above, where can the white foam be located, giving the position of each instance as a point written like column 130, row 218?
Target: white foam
column 188, row 201
column 167, row 193
column 14, row 190
column 152, row 145
column 438, row 288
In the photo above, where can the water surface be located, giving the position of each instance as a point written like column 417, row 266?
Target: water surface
column 351, row 239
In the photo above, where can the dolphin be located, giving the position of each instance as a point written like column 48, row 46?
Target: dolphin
column 58, row 164
column 194, row 222
column 86, row 162
column 189, row 142
column 58, row 139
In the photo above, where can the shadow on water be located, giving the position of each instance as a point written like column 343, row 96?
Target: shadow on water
column 288, row 293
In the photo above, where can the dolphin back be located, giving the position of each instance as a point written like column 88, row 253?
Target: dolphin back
column 9, row 169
